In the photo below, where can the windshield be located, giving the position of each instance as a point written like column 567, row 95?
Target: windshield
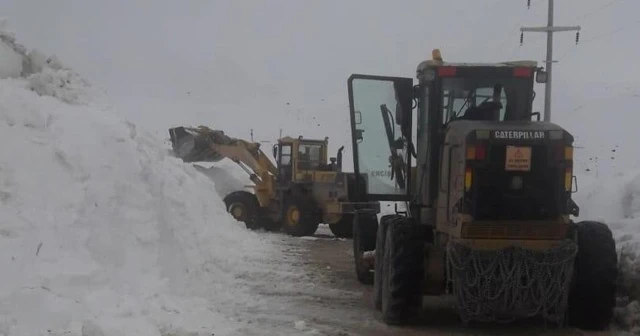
column 484, row 98
column 310, row 156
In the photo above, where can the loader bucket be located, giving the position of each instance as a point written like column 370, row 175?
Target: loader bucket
column 193, row 144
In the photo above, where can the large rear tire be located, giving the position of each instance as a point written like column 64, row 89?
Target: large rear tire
column 592, row 297
column 301, row 216
column 365, row 225
column 402, row 272
column 244, row 207
column 344, row 227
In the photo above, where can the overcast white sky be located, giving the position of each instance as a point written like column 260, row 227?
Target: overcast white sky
column 283, row 41
column 257, row 55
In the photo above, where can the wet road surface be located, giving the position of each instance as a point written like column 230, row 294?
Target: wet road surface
column 323, row 297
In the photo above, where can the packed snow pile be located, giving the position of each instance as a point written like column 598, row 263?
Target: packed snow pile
column 615, row 200
column 46, row 76
column 101, row 231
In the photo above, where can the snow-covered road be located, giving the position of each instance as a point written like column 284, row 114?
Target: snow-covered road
column 326, row 298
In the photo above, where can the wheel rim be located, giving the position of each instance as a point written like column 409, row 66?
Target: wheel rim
column 293, row 216
column 238, row 211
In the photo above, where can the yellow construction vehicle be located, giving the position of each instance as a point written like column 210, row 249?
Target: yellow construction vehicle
column 297, row 193
column 487, row 188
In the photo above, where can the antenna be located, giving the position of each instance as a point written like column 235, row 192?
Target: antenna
column 549, row 29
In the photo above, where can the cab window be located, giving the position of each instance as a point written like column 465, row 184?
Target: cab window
column 496, row 99
column 309, row 156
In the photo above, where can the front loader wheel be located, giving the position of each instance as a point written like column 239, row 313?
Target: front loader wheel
column 244, row 207
column 364, row 226
column 593, row 292
column 344, row 227
column 301, row 217
column 402, row 272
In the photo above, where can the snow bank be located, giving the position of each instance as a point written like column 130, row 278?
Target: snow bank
column 10, row 59
column 615, row 200
column 101, row 231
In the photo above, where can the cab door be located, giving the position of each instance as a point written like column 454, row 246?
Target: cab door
column 381, row 125
column 285, row 164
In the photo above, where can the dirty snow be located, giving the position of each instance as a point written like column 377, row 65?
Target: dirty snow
column 102, row 232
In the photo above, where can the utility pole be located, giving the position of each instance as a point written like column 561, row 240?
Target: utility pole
column 549, row 29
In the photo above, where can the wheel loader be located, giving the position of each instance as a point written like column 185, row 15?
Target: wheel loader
column 487, row 191
column 296, row 194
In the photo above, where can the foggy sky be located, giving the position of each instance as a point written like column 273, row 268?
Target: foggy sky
column 258, row 55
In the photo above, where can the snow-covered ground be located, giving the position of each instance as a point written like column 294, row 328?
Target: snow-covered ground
column 101, row 231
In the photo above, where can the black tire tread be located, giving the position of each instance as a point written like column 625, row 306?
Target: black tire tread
column 404, row 261
column 381, row 236
column 250, row 202
column 592, row 297
column 344, row 227
column 309, row 219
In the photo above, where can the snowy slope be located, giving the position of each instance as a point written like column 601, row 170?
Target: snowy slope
column 101, row 231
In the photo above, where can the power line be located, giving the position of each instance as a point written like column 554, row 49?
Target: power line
column 612, row 32
column 511, row 31
column 598, row 9
column 599, row 37
column 549, row 29
column 475, row 10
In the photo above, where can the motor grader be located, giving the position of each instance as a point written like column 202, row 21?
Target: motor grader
column 487, row 191
column 296, row 194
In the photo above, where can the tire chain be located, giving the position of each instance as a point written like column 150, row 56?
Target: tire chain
column 503, row 285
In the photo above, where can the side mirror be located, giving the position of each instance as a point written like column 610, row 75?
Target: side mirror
column 275, row 152
column 541, row 76
column 359, row 136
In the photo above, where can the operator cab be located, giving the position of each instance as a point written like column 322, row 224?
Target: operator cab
column 295, row 156
column 433, row 128
column 477, row 91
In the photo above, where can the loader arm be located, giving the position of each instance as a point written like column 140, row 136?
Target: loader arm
column 247, row 154
column 202, row 144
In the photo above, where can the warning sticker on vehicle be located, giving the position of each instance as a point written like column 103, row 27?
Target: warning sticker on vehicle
column 518, row 159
